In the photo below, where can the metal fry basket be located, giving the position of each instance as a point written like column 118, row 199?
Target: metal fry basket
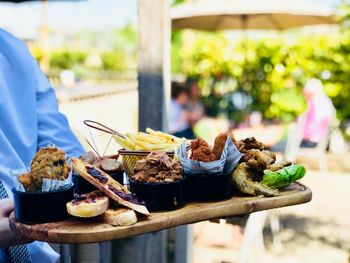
column 129, row 159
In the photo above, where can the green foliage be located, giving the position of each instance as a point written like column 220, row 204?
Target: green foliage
column 271, row 70
column 67, row 59
column 37, row 52
column 112, row 60
column 176, row 2
column 108, row 50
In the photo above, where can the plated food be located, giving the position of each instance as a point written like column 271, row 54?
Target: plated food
column 107, row 164
column 258, row 174
column 121, row 216
column 108, row 185
column 88, row 205
column 149, row 141
column 157, row 167
column 159, row 181
column 163, row 176
column 49, row 163
column 97, row 203
column 201, row 151
column 41, row 194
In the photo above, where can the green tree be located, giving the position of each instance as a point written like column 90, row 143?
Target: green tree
column 271, row 70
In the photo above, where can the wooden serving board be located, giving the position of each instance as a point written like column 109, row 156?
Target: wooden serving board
column 87, row 231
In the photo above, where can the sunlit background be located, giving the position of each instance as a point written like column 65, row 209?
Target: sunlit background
column 250, row 81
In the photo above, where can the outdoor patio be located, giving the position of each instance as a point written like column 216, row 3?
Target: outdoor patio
column 205, row 67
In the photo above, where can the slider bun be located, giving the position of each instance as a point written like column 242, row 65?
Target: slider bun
column 120, row 217
column 87, row 208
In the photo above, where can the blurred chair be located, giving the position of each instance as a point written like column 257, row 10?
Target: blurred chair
column 294, row 139
column 253, row 236
column 293, row 149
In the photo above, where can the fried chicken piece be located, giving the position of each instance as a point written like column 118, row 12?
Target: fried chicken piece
column 203, row 154
column 243, row 181
column 27, row 182
column 50, row 163
column 278, row 166
column 219, row 144
column 248, row 144
column 201, row 151
column 199, row 142
column 43, row 151
column 259, row 160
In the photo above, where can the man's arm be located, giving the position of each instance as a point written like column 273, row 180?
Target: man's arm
column 53, row 127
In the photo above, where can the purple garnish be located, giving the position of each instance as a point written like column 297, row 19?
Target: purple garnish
column 127, row 197
column 96, row 174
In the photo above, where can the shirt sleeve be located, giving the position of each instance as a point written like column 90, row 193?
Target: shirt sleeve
column 53, row 127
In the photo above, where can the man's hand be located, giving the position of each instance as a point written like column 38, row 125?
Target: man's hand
column 7, row 236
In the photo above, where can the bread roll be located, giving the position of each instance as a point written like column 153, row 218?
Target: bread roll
column 88, row 205
column 108, row 185
column 120, row 217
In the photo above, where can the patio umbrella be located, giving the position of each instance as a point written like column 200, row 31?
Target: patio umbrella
column 21, row 1
column 250, row 14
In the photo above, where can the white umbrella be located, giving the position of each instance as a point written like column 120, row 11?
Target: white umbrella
column 214, row 15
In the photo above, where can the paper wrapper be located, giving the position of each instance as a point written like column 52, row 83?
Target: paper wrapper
column 229, row 158
column 48, row 184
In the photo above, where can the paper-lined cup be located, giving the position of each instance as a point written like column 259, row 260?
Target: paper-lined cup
column 210, row 181
column 48, row 185
column 229, row 159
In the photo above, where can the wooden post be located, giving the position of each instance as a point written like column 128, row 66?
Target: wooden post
column 153, row 63
column 154, row 94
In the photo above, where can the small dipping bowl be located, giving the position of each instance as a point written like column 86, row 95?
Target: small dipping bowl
column 81, row 186
column 209, row 187
column 160, row 196
column 42, row 207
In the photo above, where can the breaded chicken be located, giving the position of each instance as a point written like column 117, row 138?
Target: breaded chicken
column 243, row 181
column 278, row 166
column 259, row 160
column 248, row 144
column 50, row 163
column 203, row 154
column 219, row 143
column 198, row 143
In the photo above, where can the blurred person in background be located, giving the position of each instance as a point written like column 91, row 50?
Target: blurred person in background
column 316, row 121
column 314, row 124
column 179, row 116
column 194, row 105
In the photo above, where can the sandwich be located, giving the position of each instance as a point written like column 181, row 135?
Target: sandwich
column 120, row 216
column 108, row 186
column 88, row 205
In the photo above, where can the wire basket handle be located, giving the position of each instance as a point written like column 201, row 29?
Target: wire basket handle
column 99, row 126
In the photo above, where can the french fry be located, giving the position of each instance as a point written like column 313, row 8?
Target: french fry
column 124, row 143
column 131, row 137
column 150, row 141
column 169, row 137
column 153, row 147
